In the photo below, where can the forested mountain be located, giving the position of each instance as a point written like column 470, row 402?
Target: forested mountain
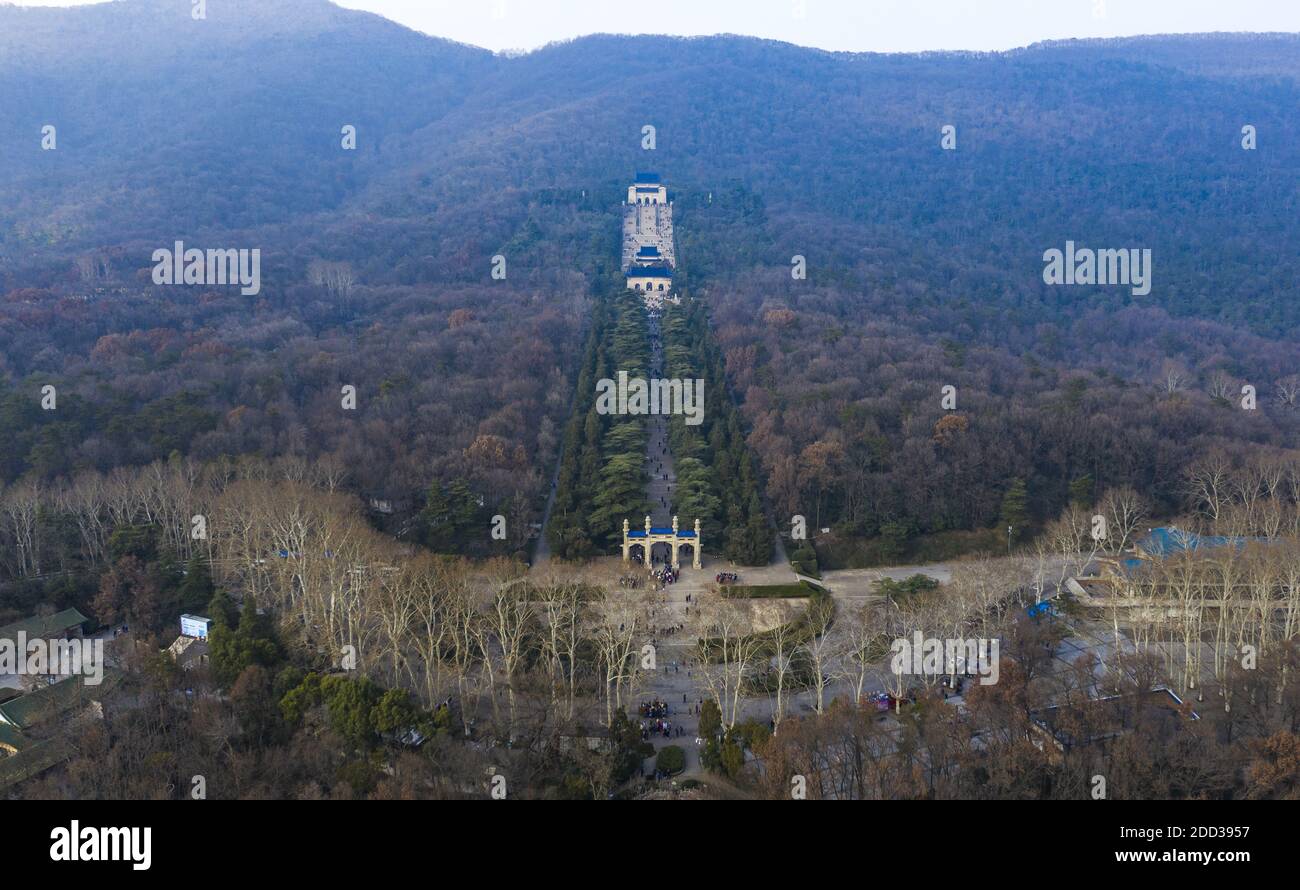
column 920, row 393
column 925, row 265
column 171, row 127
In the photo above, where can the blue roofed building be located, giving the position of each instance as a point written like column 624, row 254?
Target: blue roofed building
column 1167, row 540
column 648, row 223
column 1136, row 580
column 650, row 277
column 647, row 189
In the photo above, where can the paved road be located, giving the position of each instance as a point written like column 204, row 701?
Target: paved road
column 542, row 550
column 658, row 456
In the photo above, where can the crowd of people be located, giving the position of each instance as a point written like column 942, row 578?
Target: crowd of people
column 655, row 709
column 726, row 577
column 665, row 576
column 655, row 720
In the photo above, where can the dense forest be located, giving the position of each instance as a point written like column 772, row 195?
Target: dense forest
column 882, row 355
column 923, row 268
column 716, row 476
column 601, row 478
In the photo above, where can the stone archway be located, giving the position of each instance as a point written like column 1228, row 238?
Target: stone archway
column 685, row 549
column 676, row 540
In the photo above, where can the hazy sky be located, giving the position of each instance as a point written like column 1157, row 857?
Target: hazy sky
column 879, row 25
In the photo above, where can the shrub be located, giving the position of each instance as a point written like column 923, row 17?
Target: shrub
column 897, row 591
column 671, row 760
column 804, row 561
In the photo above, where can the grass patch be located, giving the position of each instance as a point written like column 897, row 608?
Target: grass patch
column 820, row 604
column 769, row 591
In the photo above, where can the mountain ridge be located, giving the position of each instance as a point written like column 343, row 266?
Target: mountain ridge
column 242, row 137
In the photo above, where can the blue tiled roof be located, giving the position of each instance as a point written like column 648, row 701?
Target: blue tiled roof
column 650, row 272
column 1163, row 541
column 640, row 533
column 648, row 250
column 647, row 177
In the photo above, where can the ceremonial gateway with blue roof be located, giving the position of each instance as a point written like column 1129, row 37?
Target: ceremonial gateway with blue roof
column 675, row 539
